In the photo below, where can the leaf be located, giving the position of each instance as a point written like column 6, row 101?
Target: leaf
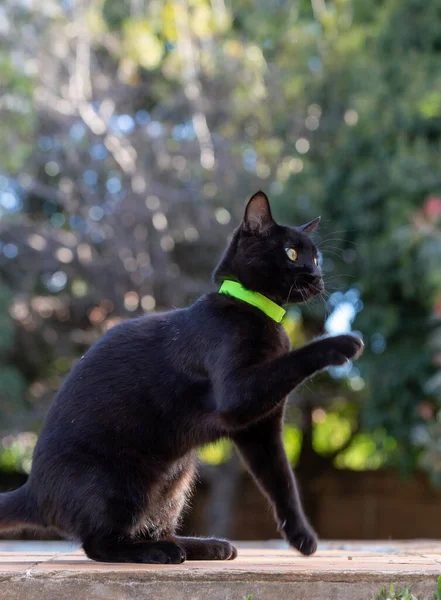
column 141, row 44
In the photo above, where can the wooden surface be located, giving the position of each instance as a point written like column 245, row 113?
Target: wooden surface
column 339, row 571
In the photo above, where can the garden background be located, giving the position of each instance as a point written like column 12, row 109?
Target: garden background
column 132, row 132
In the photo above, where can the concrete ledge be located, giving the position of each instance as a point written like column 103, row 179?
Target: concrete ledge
column 338, row 571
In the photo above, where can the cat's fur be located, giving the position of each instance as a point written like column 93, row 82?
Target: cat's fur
column 115, row 460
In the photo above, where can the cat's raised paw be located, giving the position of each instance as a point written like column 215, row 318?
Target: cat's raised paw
column 343, row 348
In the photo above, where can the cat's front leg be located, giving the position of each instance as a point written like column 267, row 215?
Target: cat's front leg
column 261, row 447
column 248, row 394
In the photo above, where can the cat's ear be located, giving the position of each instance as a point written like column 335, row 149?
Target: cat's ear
column 311, row 226
column 258, row 218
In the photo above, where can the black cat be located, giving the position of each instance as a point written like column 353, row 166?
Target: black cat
column 115, row 460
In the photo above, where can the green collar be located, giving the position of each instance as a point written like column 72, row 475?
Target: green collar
column 270, row 308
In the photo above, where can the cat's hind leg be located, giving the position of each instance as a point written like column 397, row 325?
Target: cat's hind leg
column 117, row 549
column 174, row 495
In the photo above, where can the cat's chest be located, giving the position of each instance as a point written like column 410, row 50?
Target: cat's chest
column 274, row 343
column 282, row 341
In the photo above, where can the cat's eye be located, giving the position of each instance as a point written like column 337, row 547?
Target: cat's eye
column 291, row 254
column 316, row 261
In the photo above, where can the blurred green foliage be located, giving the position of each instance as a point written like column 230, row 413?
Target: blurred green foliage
column 12, row 381
column 139, row 129
column 406, row 593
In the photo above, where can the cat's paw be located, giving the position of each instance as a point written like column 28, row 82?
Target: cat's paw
column 302, row 537
column 343, row 348
column 228, row 551
column 165, row 553
column 207, row 549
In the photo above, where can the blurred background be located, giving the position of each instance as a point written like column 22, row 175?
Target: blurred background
column 133, row 131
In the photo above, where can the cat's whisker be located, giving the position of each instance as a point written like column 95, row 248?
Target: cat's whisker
column 342, row 231
column 289, row 294
column 324, row 305
column 327, row 248
column 305, row 300
column 324, row 293
column 299, row 291
column 338, row 275
column 321, row 295
column 337, row 240
column 339, row 256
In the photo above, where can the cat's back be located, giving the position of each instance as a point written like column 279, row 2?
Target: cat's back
column 125, row 355
column 122, row 386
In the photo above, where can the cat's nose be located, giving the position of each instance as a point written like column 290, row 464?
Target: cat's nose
column 312, row 271
column 313, row 276
column 308, row 271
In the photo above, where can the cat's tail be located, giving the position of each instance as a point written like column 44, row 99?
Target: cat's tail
column 17, row 510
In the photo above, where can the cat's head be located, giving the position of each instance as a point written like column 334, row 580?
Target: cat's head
column 278, row 261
